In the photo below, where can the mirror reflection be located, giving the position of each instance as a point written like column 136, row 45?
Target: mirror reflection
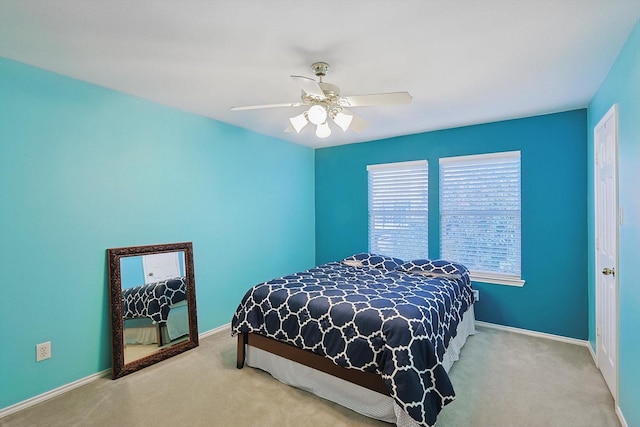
column 153, row 304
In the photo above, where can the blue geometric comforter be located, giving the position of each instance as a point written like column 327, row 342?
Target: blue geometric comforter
column 386, row 316
column 153, row 300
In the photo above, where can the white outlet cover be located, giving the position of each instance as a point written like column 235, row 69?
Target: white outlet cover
column 43, row 351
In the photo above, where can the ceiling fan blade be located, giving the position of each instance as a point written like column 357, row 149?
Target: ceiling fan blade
column 309, row 86
column 392, row 98
column 257, row 107
column 358, row 124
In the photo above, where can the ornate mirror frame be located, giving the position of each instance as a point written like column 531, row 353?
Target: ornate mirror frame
column 114, row 255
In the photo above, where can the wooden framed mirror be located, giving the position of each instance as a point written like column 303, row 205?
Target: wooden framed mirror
column 153, row 304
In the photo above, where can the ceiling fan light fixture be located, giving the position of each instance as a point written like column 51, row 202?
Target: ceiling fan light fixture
column 325, row 104
column 317, row 114
column 323, row 130
column 299, row 122
column 343, row 120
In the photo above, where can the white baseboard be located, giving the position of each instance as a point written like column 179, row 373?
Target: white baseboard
column 534, row 333
column 86, row 380
column 226, row 327
column 52, row 393
column 593, row 353
column 621, row 417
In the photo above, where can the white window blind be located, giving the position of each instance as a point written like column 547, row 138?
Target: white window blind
column 480, row 215
column 398, row 209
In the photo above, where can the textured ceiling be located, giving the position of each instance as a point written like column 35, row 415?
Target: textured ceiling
column 463, row 62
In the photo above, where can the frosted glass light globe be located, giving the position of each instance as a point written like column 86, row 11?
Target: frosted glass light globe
column 298, row 122
column 323, row 130
column 343, row 120
column 317, row 114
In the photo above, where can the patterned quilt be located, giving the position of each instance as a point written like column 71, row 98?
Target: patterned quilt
column 370, row 313
column 153, row 300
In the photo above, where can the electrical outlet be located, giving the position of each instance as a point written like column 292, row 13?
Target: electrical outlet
column 476, row 294
column 43, row 351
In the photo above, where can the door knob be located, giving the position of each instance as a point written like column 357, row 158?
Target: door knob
column 607, row 271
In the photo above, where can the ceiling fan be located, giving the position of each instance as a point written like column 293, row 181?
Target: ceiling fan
column 324, row 102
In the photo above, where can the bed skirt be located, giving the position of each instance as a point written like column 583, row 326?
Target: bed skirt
column 364, row 401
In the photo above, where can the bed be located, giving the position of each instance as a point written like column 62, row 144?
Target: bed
column 370, row 332
column 155, row 312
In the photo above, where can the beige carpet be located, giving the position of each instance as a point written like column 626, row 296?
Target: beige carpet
column 503, row 379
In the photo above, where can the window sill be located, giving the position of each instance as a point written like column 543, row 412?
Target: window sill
column 497, row 279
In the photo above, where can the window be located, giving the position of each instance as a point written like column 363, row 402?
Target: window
column 398, row 214
column 480, row 215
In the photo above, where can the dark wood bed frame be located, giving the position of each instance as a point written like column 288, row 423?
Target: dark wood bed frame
column 368, row 380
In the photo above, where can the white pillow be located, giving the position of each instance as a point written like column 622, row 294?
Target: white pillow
column 432, row 274
column 353, row 263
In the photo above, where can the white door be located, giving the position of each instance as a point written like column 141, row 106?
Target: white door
column 161, row 266
column 606, row 233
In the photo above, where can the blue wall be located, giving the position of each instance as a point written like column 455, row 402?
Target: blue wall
column 83, row 169
column 131, row 271
column 622, row 87
column 554, row 220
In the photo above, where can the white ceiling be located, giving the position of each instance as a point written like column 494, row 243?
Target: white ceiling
column 464, row 62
